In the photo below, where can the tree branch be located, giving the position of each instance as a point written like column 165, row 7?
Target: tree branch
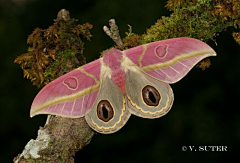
column 61, row 137
column 113, row 32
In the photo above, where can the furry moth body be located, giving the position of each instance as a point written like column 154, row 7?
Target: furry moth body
column 135, row 81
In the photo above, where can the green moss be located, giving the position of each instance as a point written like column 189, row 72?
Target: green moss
column 60, row 61
column 201, row 19
column 54, row 51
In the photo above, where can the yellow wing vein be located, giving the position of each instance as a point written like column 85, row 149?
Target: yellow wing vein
column 141, row 56
column 178, row 58
column 88, row 74
column 149, row 112
column 66, row 98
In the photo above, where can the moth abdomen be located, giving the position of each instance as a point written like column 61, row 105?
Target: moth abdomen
column 119, row 78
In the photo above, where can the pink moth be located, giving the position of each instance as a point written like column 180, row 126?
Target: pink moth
column 134, row 81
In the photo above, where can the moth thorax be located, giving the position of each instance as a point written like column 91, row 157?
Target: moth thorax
column 105, row 111
column 151, row 96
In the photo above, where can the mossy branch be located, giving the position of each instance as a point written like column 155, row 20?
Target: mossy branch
column 59, row 49
column 54, row 52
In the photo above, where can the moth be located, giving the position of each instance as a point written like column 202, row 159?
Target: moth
column 134, row 81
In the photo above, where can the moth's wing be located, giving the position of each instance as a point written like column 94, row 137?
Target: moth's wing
column 71, row 95
column 147, row 96
column 169, row 60
column 109, row 113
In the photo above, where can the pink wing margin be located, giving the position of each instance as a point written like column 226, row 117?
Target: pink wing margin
column 169, row 60
column 71, row 95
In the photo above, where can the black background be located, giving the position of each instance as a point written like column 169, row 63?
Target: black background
column 205, row 110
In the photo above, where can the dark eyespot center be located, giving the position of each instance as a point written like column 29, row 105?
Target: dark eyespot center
column 151, row 96
column 105, row 110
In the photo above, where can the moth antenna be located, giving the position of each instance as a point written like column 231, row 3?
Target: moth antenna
column 113, row 32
